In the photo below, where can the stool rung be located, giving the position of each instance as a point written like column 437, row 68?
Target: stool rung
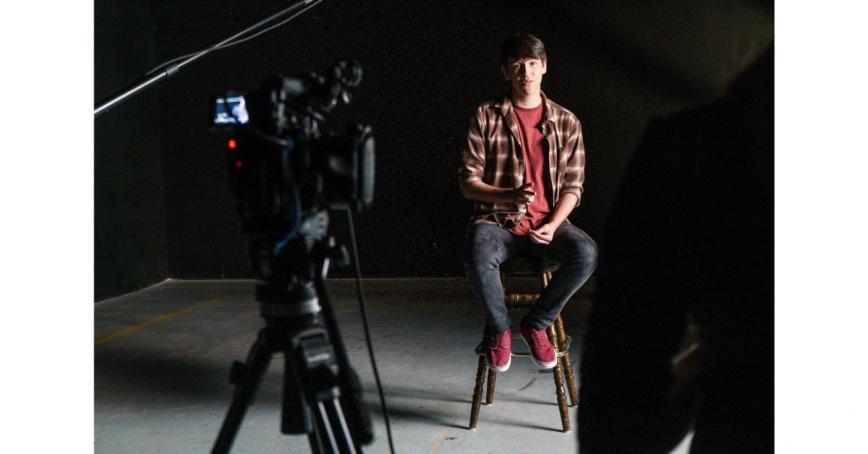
column 521, row 298
column 563, row 351
column 526, row 354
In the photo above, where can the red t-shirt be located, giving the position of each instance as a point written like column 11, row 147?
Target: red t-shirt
column 535, row 166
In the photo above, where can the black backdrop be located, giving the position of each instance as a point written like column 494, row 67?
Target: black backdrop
column 163, row 207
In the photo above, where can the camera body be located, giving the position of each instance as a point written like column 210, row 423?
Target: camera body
column 284, row 162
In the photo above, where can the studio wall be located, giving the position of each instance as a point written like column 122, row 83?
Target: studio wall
column 163, row 204
column 129, row 210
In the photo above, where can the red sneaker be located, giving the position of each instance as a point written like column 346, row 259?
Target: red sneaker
column 499, row 349
column 541, row 350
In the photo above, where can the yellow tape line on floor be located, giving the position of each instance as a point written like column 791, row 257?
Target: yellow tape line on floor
column 143, row 325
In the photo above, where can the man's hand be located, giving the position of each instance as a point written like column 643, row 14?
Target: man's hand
column 523, row 194
column 544, row 234
column 477, row 190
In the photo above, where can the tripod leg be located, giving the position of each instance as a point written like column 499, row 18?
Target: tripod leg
column 246, row 378
column 339, row 426
column 358, row 416
column 324, row 429
column 313, row 440
column 296, row 415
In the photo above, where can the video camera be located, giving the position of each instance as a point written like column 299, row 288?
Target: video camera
column 283, row 163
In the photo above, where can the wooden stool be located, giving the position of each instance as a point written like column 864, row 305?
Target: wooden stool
column 529, row 266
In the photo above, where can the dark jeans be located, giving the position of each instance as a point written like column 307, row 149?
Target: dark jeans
column 490, row 245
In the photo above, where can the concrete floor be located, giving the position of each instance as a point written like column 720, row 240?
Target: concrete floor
column 162, row 358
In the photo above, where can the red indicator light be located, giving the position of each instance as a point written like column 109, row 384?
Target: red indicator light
column 238, row 164
column 232, row 144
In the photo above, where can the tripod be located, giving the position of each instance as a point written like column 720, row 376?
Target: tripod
column 318, row 383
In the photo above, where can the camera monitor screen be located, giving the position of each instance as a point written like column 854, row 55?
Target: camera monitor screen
column 230, row 110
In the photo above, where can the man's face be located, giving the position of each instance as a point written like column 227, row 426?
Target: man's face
column 525, row 75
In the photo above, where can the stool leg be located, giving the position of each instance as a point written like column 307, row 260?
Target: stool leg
column 492, row 379
column 568, row 366
column 559, row 384
column 477, row 391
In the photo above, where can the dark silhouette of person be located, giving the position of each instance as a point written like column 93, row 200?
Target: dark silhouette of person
column 691, row 233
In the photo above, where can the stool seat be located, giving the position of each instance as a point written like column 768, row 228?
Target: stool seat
column 528, row 265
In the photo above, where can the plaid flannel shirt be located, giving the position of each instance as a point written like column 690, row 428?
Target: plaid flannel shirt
column 493, row 154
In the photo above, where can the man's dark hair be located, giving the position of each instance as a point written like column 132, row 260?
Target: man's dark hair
column 522, row 45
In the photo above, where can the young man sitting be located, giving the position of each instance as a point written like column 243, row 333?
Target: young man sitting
column 524, row 167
